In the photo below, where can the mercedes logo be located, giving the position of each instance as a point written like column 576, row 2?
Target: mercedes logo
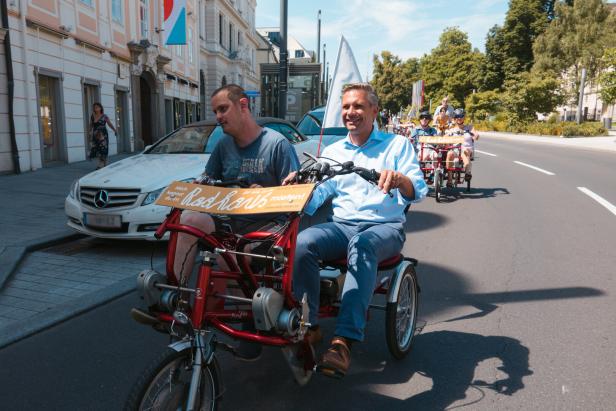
column 101, row 199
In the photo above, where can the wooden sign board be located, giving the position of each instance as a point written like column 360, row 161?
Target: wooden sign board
column 441, row 139
column 235, row 201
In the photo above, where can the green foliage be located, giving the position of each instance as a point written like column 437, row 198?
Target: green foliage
column 607, row 79
column 509, row 49
column 527, row 95
column 479, row 106
column 393, row 80
column 453, row 68
column 565, row 129
column 576, row 38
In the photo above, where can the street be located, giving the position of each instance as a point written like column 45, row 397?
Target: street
column 517, row 308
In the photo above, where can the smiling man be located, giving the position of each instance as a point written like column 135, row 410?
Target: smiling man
column 367, row 225
column 261, row 157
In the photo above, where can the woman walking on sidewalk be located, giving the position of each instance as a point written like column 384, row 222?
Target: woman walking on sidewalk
column 100, row 138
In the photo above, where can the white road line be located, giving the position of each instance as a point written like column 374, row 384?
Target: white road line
column 486, row 153
column 599, row 199
column 535, row 168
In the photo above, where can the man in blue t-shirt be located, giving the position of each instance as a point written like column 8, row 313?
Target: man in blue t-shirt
column 259, row 156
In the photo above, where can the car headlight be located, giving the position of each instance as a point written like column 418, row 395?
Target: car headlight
column 74, row 191
column 153, row 195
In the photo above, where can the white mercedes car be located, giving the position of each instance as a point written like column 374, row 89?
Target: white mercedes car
column 118, row 201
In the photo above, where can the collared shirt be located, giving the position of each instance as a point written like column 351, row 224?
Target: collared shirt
column 356, row 199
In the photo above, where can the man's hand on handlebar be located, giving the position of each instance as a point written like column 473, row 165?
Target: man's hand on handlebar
column 290, row 179
column 391, row 179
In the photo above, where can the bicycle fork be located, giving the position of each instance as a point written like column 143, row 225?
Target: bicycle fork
column 203, row 354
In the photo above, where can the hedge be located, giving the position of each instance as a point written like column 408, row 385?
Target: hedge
column 565, row 129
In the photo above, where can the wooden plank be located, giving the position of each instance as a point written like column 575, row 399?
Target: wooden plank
column 235, row 201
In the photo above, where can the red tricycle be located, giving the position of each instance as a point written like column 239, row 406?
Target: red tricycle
column 187, row 376
column 433, row 162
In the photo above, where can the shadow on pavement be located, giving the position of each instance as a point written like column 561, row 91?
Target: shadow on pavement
column 423, row 220
column 449, row 359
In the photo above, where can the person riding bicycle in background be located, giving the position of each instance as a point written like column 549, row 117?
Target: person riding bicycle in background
column 427, row 152
column 261, row 157
column 468, row 147
column 444, row 105
column 442, row 121
column 367, row 224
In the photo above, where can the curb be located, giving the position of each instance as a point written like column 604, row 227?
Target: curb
column 11, row 256
column 17, row 332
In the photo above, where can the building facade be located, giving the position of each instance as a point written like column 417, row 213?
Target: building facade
column 229, row 45
column 68, row 54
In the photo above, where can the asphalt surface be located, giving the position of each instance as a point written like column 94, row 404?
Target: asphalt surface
column 518, row 299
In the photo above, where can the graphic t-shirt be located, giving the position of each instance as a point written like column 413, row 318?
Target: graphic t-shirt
column 266, row 161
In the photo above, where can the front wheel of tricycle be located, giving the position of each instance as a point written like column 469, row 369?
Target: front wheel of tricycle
column 438, row 185
column 401, row 315
column 164, row 385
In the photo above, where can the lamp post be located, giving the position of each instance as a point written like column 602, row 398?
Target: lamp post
column 284, row 59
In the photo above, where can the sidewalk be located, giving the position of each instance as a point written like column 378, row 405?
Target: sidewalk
column 584, row 143
column 33, row 218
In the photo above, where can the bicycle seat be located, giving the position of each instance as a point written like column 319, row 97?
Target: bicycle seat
column 386, row 264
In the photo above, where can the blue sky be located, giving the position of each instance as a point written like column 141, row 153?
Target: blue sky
column 408, row 28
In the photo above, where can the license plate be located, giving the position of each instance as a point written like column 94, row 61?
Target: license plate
column 102, row 220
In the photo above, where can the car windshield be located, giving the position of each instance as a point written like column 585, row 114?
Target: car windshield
column 191, row 140
column 309, row 125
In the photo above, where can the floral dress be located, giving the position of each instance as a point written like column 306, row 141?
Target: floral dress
column 100, row 138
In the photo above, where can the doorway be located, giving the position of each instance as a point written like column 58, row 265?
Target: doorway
column 91, row 95
column 49, row 118
column 121, row 119
column 145, row 100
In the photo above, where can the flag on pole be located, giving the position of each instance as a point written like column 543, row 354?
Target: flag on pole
column 345, row 72
column 174, row 24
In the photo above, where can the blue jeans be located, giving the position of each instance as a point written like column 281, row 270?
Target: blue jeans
column 364, row 244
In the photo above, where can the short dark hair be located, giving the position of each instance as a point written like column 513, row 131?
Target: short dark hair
column 100, row 105
column 234, row 92
column 366, row 87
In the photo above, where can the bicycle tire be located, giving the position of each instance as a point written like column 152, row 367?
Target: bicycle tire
column 401, row 315
column 173, row 369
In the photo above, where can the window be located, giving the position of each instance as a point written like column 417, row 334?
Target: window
column 87, row 2
column 299, row 54
column 190, row 45
column 117, row 11
column 230, row 37
column 239, row 39
column 220, row 30
column 144, row 14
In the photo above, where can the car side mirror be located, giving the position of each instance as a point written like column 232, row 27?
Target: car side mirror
column 146, row 148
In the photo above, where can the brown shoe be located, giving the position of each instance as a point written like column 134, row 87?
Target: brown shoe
column 336, row 360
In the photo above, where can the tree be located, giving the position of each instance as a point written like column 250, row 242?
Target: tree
column 607, row 79
column 526, row 95
column 453, row 68
column 575, row 39
column 493, row 74
column 479, row 106
column 393, row 80
column 524, row 22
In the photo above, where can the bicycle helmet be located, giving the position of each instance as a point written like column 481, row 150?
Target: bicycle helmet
column 459, row 113
column 425, row 114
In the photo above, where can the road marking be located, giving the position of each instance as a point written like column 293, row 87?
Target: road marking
column 599, row 199
column 486, row 153
column 535, row 168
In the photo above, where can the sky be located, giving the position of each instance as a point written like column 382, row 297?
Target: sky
column 407, row 28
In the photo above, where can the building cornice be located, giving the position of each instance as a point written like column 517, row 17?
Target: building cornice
column 228, row 6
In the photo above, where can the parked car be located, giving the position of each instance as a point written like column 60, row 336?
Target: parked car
column 310, row 126
column 117, row 201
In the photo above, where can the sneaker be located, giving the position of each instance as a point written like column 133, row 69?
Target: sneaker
column 247, row 350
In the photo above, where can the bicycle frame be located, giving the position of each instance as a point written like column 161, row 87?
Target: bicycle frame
column 440, row 163
column 239, row 271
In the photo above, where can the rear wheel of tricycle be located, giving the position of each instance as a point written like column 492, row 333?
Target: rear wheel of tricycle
column 401, row 315
column 164, row 385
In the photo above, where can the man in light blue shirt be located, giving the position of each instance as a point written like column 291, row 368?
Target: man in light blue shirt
column 367, row 225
